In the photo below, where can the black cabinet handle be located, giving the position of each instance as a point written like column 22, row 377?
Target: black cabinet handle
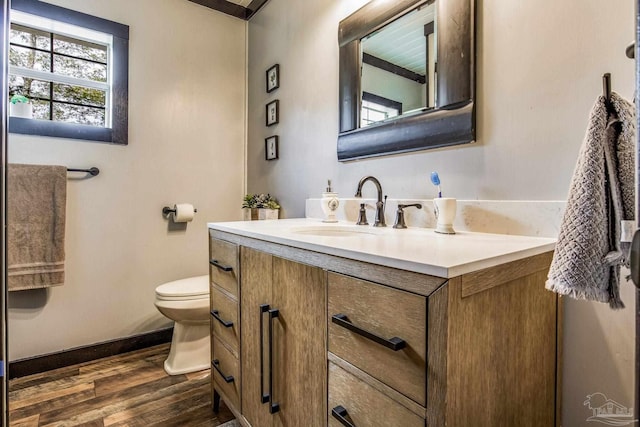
column 264, row 398
column 225, row 323
column 394, row 343
column 216, row 364
column 219, row 266
column 340, row 414
column 273, row 407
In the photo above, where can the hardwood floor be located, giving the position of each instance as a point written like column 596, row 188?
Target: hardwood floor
column 131, row 389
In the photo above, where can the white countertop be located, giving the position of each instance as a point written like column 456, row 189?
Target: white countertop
column 421, row 250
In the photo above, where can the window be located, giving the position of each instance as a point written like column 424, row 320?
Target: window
column 65, row 78
column 73, row 69
column 376, row 108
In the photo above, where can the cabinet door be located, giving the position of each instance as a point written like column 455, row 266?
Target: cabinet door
column 256, row 290
column 298, row 343
column 300, row 352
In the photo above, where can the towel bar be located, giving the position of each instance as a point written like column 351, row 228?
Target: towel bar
column 91, row 171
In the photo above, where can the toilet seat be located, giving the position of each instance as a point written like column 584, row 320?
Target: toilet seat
column 192, row 288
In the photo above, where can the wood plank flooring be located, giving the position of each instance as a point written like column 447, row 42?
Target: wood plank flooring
column 131, row 389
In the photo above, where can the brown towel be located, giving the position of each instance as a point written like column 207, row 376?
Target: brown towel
column 36, row 202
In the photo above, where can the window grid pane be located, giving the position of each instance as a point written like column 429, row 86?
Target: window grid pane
column 79, row 95
column 31, row 37
column 79, row 68
column 63, row 112
column 31, row 88
column 29, row 58
column 41, row 109
column 79, row 49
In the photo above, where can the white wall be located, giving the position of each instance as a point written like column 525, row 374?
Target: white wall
column 186, row 144
column 539, row 70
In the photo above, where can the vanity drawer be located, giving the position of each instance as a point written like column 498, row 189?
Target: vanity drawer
column 224, row 318
column 225, row 371
column 364, row 405
column 366, row 319
column 223, row 265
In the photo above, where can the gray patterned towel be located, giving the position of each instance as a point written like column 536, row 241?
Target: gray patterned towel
column 586, row 263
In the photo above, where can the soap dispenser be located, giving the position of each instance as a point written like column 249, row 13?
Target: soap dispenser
column 329, row 204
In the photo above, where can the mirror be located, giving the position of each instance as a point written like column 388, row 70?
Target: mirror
column 398, row 67
column 406, row 77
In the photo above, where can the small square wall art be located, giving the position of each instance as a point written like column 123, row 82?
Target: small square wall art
column 273, row 78
column 272, row 112
column 271, row 148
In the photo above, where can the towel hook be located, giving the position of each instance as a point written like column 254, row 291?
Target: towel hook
column 606, row 86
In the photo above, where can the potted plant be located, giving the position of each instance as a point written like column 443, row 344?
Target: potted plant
column 19, row 105
column 260, row 206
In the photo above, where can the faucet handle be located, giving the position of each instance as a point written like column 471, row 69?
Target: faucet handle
column 400, row 214
column 362, row 215
column 414, row 205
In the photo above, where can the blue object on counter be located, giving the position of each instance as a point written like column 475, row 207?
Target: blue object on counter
column 435, row 179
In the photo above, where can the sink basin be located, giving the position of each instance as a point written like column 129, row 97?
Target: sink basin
column 338, row 231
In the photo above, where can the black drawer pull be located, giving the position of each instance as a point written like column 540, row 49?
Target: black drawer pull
column 340, row 414
column 394, row 343
column 273, row 406
column 219, row 266
column 216, row 365
column 264, row 397
column 225, row 323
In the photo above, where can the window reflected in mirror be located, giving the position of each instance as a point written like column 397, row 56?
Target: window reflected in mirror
column 376, row 108
column 398, row 67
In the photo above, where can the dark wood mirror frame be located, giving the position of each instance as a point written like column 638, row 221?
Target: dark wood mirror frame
column 451, row 122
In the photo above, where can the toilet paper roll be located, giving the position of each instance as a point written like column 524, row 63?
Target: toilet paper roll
column 184, row 212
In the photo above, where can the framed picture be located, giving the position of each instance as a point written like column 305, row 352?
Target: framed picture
column 272, row 112
column 271, row 148
column 273, row 78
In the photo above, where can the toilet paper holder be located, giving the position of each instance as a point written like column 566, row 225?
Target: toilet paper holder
column 169, row 210
column 178, row 217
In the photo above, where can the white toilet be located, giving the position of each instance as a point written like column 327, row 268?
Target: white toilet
column 186, row 302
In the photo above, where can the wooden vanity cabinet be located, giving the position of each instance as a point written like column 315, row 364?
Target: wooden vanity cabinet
column 331, row 341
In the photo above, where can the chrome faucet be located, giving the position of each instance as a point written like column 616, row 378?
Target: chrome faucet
column 379, row 222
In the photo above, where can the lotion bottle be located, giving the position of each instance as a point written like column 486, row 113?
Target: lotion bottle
column 329, row 204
